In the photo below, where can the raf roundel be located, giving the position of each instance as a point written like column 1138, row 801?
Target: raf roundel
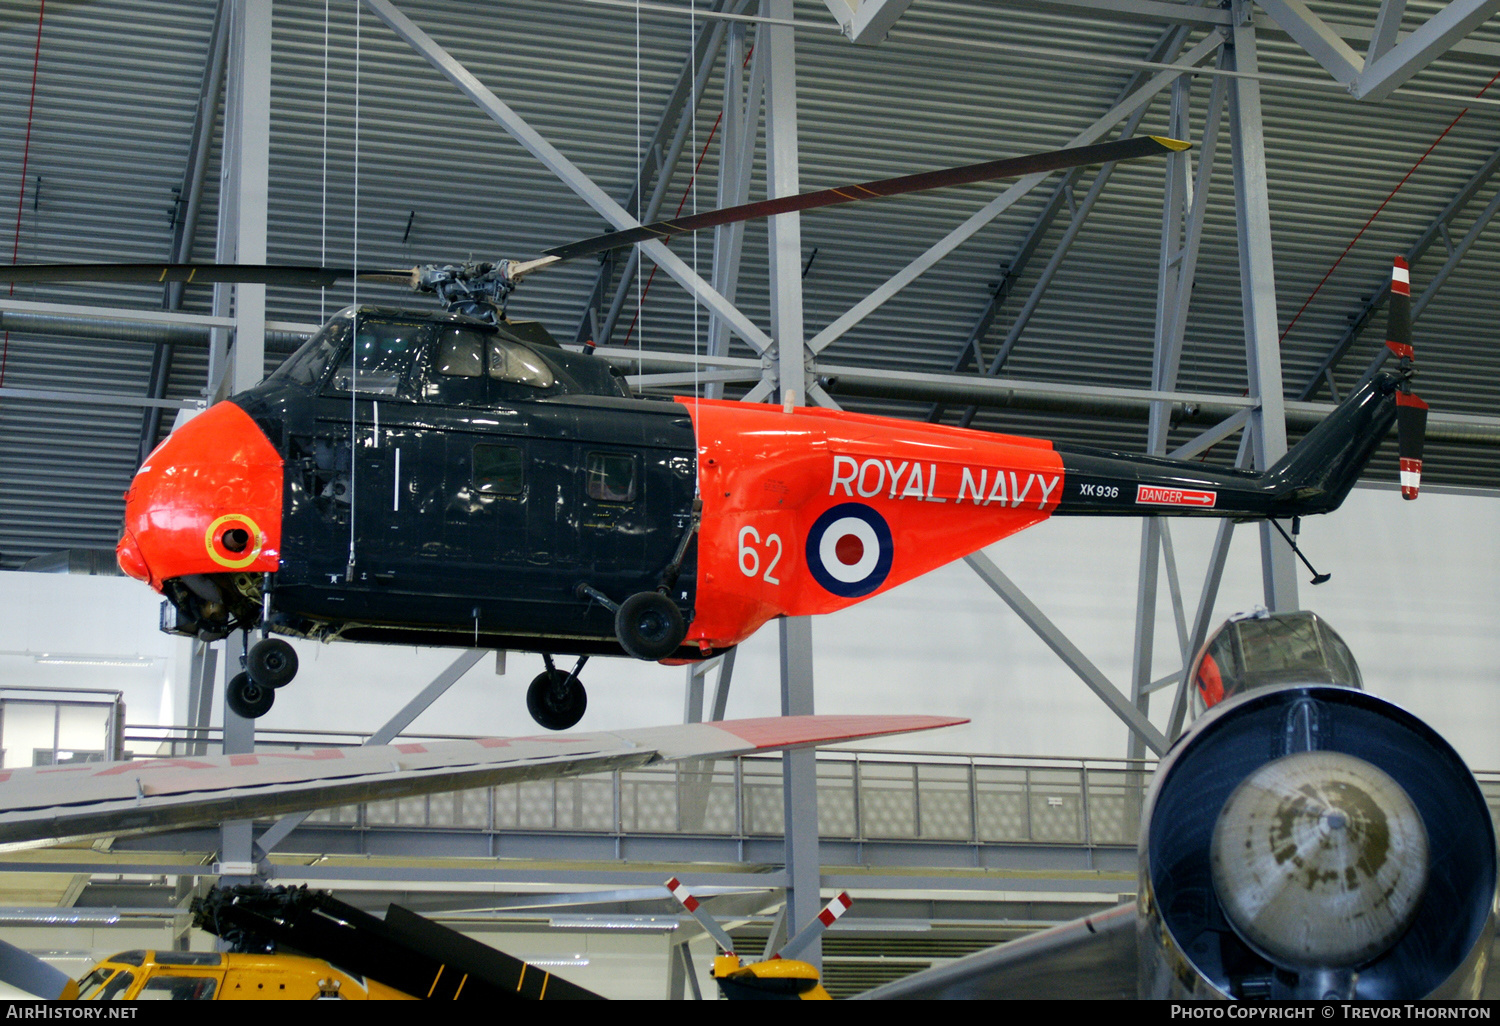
column 849, row 550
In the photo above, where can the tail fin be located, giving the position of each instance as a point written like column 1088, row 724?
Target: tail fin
column 1329, row 459
column 1314, row 477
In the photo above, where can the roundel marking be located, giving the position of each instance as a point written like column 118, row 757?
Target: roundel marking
column 849, row 550
column 220, row 554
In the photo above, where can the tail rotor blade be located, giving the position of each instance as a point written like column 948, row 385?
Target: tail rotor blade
column 1398, row 325
column 1411, row 411
column 1411, row 429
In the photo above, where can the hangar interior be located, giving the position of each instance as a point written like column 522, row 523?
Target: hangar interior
column 1213, row 304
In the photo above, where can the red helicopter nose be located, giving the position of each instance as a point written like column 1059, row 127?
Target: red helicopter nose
column 206, row 501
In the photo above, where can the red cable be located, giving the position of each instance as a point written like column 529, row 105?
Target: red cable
column 15, row 253
column 680, row 204
column 1378, row 209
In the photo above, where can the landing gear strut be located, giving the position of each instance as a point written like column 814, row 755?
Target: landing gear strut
column 648, row 625
column 556, row 700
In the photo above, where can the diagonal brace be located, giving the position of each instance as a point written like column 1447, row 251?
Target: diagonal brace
column 1067, row 651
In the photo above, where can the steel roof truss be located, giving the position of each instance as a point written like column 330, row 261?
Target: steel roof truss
column 565, row 170
column 997, row 206
column 1388, row 72
column 1436, row 228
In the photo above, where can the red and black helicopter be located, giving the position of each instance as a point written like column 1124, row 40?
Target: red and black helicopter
column 461, row 479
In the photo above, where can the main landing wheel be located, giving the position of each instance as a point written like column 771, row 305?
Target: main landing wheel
column 271, row 663
column 649, row 626
column 247, row 698
column 556, row 699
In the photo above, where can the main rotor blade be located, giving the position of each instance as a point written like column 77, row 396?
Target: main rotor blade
column 1009, row 167
column 203, row 274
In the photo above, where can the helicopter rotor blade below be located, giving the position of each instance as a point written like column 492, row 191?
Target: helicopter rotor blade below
column 1009, row 167
column 202, row 274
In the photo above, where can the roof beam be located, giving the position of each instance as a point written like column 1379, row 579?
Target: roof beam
column 1154, row 12
column 867, row 21
column 1422, row 47
column 1437, row 228
column 1383, row 35
column 999, row 204
column 1315, row 36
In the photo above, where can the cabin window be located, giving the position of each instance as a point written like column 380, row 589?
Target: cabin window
column 611, row 477
column 178, row 988
column 512, row 362
column 382, row 352
column 498, row 469
column 460, row 353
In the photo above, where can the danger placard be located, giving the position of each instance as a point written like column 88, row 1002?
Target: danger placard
column 1151, row 495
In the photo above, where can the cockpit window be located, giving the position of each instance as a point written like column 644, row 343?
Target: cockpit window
column 460, row 353
column 90, row 983
column 510, row 361
column 1268, row 650
column 383, row 351
column 118, row 984
column 308, row 364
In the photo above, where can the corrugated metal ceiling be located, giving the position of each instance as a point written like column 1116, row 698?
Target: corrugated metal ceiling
column 117, row 83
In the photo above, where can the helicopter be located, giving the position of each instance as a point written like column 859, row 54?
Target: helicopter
column 459, row 478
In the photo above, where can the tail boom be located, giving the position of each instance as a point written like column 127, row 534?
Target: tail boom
column 1314, row 477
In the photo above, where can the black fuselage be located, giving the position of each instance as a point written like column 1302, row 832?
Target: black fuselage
column 474, row 499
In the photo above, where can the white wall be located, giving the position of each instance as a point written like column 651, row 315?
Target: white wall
column 1413, row 592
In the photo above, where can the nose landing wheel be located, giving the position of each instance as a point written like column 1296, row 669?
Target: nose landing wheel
column 556, row 699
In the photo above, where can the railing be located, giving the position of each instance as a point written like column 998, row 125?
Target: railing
column 862, row 796
column 866, row 796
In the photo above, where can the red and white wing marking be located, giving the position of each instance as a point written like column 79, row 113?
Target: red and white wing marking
column 42, row 805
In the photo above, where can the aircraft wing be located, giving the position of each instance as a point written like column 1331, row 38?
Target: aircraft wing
column 1092, row 957
column 46, row 804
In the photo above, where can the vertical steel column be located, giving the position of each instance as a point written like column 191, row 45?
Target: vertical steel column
column 784, row 246
column 243, row 189
column 799, row 785
column 736, row 155
column 1258, row 289
column 1169, row 296
column 784, row 231
column 189, row 204
column 237, row 853
column 242, row 239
